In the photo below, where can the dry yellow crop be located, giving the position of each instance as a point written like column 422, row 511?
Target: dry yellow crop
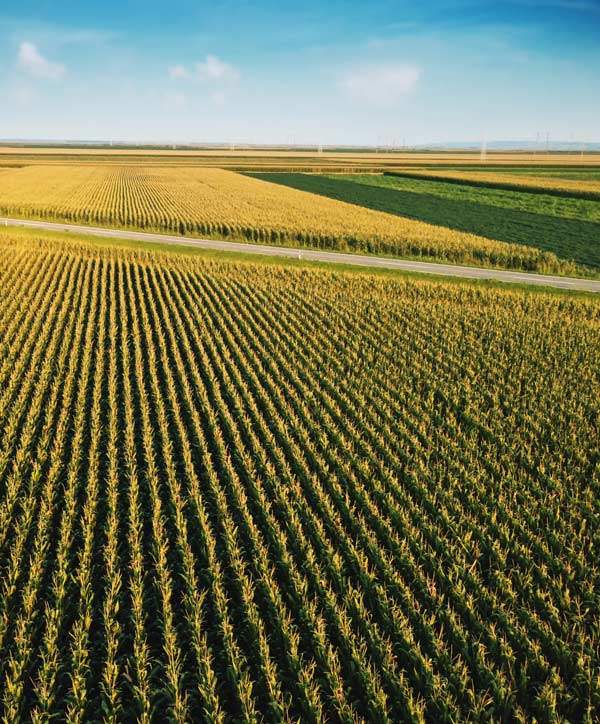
column 220, row 203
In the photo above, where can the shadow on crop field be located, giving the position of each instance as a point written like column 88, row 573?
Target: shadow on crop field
column 572, row 239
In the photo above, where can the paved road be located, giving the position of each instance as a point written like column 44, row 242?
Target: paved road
column 422, row 267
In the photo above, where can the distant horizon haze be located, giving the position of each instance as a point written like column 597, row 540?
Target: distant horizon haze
column 475, row 146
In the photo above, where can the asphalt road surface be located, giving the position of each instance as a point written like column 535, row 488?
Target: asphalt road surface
column 334, row 257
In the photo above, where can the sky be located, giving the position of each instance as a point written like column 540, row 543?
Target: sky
column 382, row 72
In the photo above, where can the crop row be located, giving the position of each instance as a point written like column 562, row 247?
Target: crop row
column 232, row 492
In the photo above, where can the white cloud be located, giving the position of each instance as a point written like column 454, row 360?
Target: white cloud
column 211, row 69
column 216, row 70
column 383, row 84
column 218, row 76
column 33, row 62
column 178, row 71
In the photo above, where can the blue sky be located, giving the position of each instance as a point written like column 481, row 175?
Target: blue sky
column 305, row 72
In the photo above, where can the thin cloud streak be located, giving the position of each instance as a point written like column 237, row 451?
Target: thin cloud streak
column 31, row 61
column 212, row 70
column 178, row 71
column 215, row 69
column 383, row 84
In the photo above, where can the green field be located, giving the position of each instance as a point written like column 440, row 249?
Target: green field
column 239, row 492
column 579, row 172
column 538, row 204
column 567, row 227
column 583, row 174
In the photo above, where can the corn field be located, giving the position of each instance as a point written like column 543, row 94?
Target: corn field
column 223, row 204
column 231, row 492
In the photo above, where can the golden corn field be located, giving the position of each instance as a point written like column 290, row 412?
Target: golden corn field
column 223, row 204
column 232, row 492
